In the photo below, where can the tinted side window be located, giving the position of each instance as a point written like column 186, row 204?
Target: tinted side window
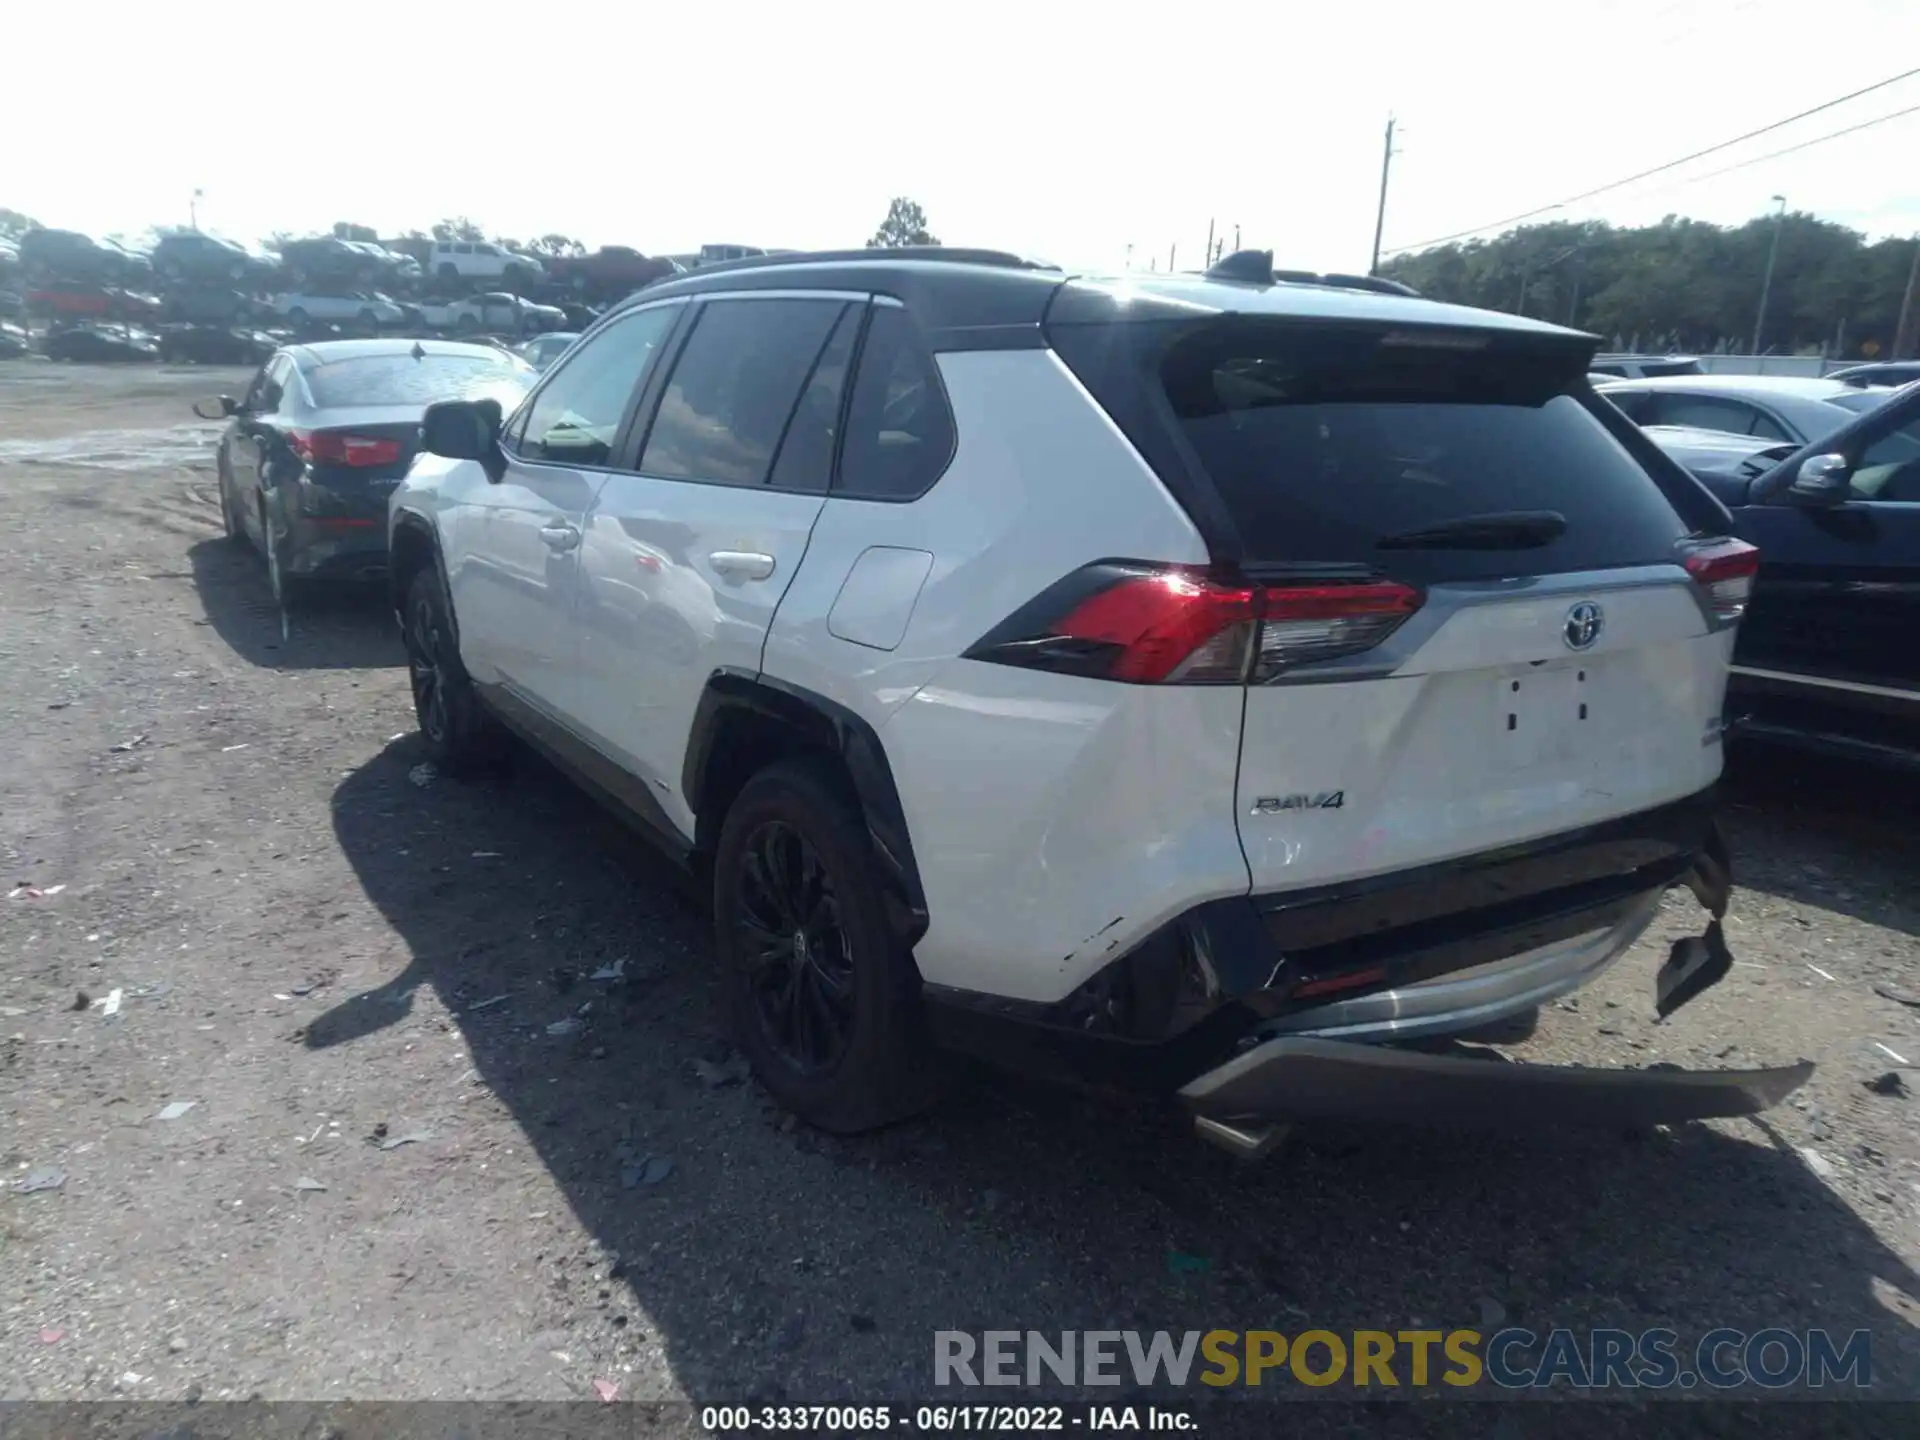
column 1704, row 412
column 737, row 383
column 1633, row 404
column 805, row 461
column 576, row 416
column 900, row 430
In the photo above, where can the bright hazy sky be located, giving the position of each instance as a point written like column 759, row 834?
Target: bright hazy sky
column 1063, row 130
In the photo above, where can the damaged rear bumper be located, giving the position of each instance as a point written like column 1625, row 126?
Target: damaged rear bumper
column 1302, row 1078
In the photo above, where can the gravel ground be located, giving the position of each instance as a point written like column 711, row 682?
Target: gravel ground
column 396, row 1181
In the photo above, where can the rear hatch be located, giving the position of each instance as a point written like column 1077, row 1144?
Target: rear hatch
column 1477, row 624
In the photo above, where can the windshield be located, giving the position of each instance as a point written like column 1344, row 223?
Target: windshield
column 403, row 380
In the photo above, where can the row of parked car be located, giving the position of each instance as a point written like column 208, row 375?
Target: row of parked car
column 1198, row 684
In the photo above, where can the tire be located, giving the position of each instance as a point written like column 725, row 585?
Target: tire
column 466, row 320
column 825, row 1003
column 298, row 316
column 229, row 517
column 290, row 592
column 460, row 736
column 449, row 272
column 371, row 321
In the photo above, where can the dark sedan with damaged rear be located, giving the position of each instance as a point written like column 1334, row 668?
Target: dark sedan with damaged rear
column 323, row 434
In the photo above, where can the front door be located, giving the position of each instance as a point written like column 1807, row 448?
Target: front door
column 1838, row 599
column 687, row 557
column 515, row 578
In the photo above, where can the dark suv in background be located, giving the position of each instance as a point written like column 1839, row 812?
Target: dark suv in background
column 1827, row 657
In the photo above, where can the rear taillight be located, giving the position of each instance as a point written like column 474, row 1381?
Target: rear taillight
column 1167, row 625
column 1724, row 571
column 339, row 447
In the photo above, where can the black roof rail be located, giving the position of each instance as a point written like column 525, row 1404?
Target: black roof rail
column 948, row 254
column 1255, row 267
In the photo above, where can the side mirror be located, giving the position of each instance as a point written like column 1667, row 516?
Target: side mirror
column 224, row 406
column 1821, row 480
column 461, row 430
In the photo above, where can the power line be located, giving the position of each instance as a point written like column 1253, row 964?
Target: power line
column 1804, row 144
column 1672, row 164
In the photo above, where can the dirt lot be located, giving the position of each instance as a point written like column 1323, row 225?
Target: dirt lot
column 326, row 959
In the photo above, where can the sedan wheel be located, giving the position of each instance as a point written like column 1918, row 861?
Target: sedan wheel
column 796, row 954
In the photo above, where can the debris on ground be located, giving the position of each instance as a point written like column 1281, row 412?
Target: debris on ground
column 1818, row 1163
column 616, row 971
column 125, row 745
column 24, row 891
column 1893, row 1082
column 177, row 1108
column 1893, row 1055
column 307, row 1182
column 486, row 1004
column 412, row 1137
column 46, row 1177
column 81, row 1001
column 606, row 1389
column 1492, row 1314
column 732, row 1071
column 52, row 1336
column 1898, row 995
column 111, row 1005
column 649, row 1171
column 572, row 1025
column 423, row 774
column 488, row 855
column 864, row 1324
column 1181, row 1263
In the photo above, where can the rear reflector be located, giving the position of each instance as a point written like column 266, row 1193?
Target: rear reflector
column 338, row 447
column 1724, row 571
column 1167, row 625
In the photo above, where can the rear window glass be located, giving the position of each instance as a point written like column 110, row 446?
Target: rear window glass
column 1859, row 401
column 403, row 380
column 1323, row 444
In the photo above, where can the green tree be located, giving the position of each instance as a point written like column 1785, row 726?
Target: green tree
column 906, row 224
column 347, row 230
column 12, row 222
column 1682, row 284
column 556, row 245
column 457, row 227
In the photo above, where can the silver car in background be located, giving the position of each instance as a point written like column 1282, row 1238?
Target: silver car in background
column 1767, row 407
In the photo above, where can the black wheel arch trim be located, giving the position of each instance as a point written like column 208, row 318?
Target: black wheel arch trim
column 414, row 522
column 837, row 729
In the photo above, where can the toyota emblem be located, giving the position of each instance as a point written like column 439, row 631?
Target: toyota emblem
column 1585, row 621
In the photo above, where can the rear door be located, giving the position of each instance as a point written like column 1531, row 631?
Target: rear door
column 687, row 556
column 1478, row 629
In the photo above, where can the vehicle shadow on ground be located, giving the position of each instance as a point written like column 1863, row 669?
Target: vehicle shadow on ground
column 774, row 1262
column 1855, row 849
column 345, row 627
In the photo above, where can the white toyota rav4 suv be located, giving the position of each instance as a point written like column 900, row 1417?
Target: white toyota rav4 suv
column 1194, row 684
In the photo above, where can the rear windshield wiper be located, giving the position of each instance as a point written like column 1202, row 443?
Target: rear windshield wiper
column 1497, row 530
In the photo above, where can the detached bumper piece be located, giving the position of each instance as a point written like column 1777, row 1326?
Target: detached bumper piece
column 1300, row 1078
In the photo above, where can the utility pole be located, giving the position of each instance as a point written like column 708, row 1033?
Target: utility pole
column 1172, row 250
column 1236, row 235
column 1906, row 303
column 1206, row 256
column 1380, row 214
column 1766, row 284
column 193, row 209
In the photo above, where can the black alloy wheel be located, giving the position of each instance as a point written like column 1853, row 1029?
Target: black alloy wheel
column 426, row 667
column 796, row 953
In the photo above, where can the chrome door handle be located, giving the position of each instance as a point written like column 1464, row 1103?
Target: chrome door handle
column 560, row 537
column 742, row 564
